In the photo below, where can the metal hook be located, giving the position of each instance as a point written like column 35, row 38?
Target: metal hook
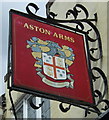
column 34, row 6
column 64, row 109
column 33, row 105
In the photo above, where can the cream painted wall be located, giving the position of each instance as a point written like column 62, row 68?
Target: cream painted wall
column 60, row 8
column 108, row 40
column 9, row 113
column 15, row 96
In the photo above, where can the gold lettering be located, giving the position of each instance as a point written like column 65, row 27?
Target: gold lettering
column 61, row 36
column 55, row 35
column 26, row 26
column 67, row 38
column 72, row 39
column 31, row 27
column 47, row 32
column 41, row 30
column 36, row 28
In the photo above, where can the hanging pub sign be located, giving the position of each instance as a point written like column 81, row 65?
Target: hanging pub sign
column 49, row 60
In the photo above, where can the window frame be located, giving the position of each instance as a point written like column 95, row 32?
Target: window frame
column 23, row 102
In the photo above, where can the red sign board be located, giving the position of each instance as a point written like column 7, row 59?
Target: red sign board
column 50, row 60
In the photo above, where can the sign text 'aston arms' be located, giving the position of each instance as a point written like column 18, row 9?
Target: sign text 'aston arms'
column 48, row 32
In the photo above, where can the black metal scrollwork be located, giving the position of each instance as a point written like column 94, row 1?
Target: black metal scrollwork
column 80, row 25
column 34, row 6
column 97, row 93
column 64, row 109
column 101, row 73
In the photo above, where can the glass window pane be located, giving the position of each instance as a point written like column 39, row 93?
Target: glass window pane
column 20, row 113
column 45, row 108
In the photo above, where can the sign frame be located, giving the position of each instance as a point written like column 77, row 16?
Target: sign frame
column 41, row 93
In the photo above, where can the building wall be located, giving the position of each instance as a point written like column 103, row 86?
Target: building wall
column 61, row 8
column 15, row 95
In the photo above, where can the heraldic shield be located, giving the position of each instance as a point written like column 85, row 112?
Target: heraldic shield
column 54, row 67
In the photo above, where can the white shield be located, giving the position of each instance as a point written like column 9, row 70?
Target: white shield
column 54, row 67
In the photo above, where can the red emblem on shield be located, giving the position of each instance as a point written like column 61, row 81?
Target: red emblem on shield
column 54, row 67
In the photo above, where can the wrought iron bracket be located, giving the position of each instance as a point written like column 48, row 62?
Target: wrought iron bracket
column 78, row 9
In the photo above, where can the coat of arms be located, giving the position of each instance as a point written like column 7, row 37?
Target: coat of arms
column 54, row 67
column 52, row 61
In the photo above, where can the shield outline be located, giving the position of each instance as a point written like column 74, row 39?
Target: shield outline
column 52, row 68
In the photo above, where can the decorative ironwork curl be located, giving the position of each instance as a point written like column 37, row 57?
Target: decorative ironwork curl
column 29, row 11
column 75, row 12
column 97, row 93
column 101, row 73
column 33, row 105
column 64, row 109
column 80, row 26
column 97, row 110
